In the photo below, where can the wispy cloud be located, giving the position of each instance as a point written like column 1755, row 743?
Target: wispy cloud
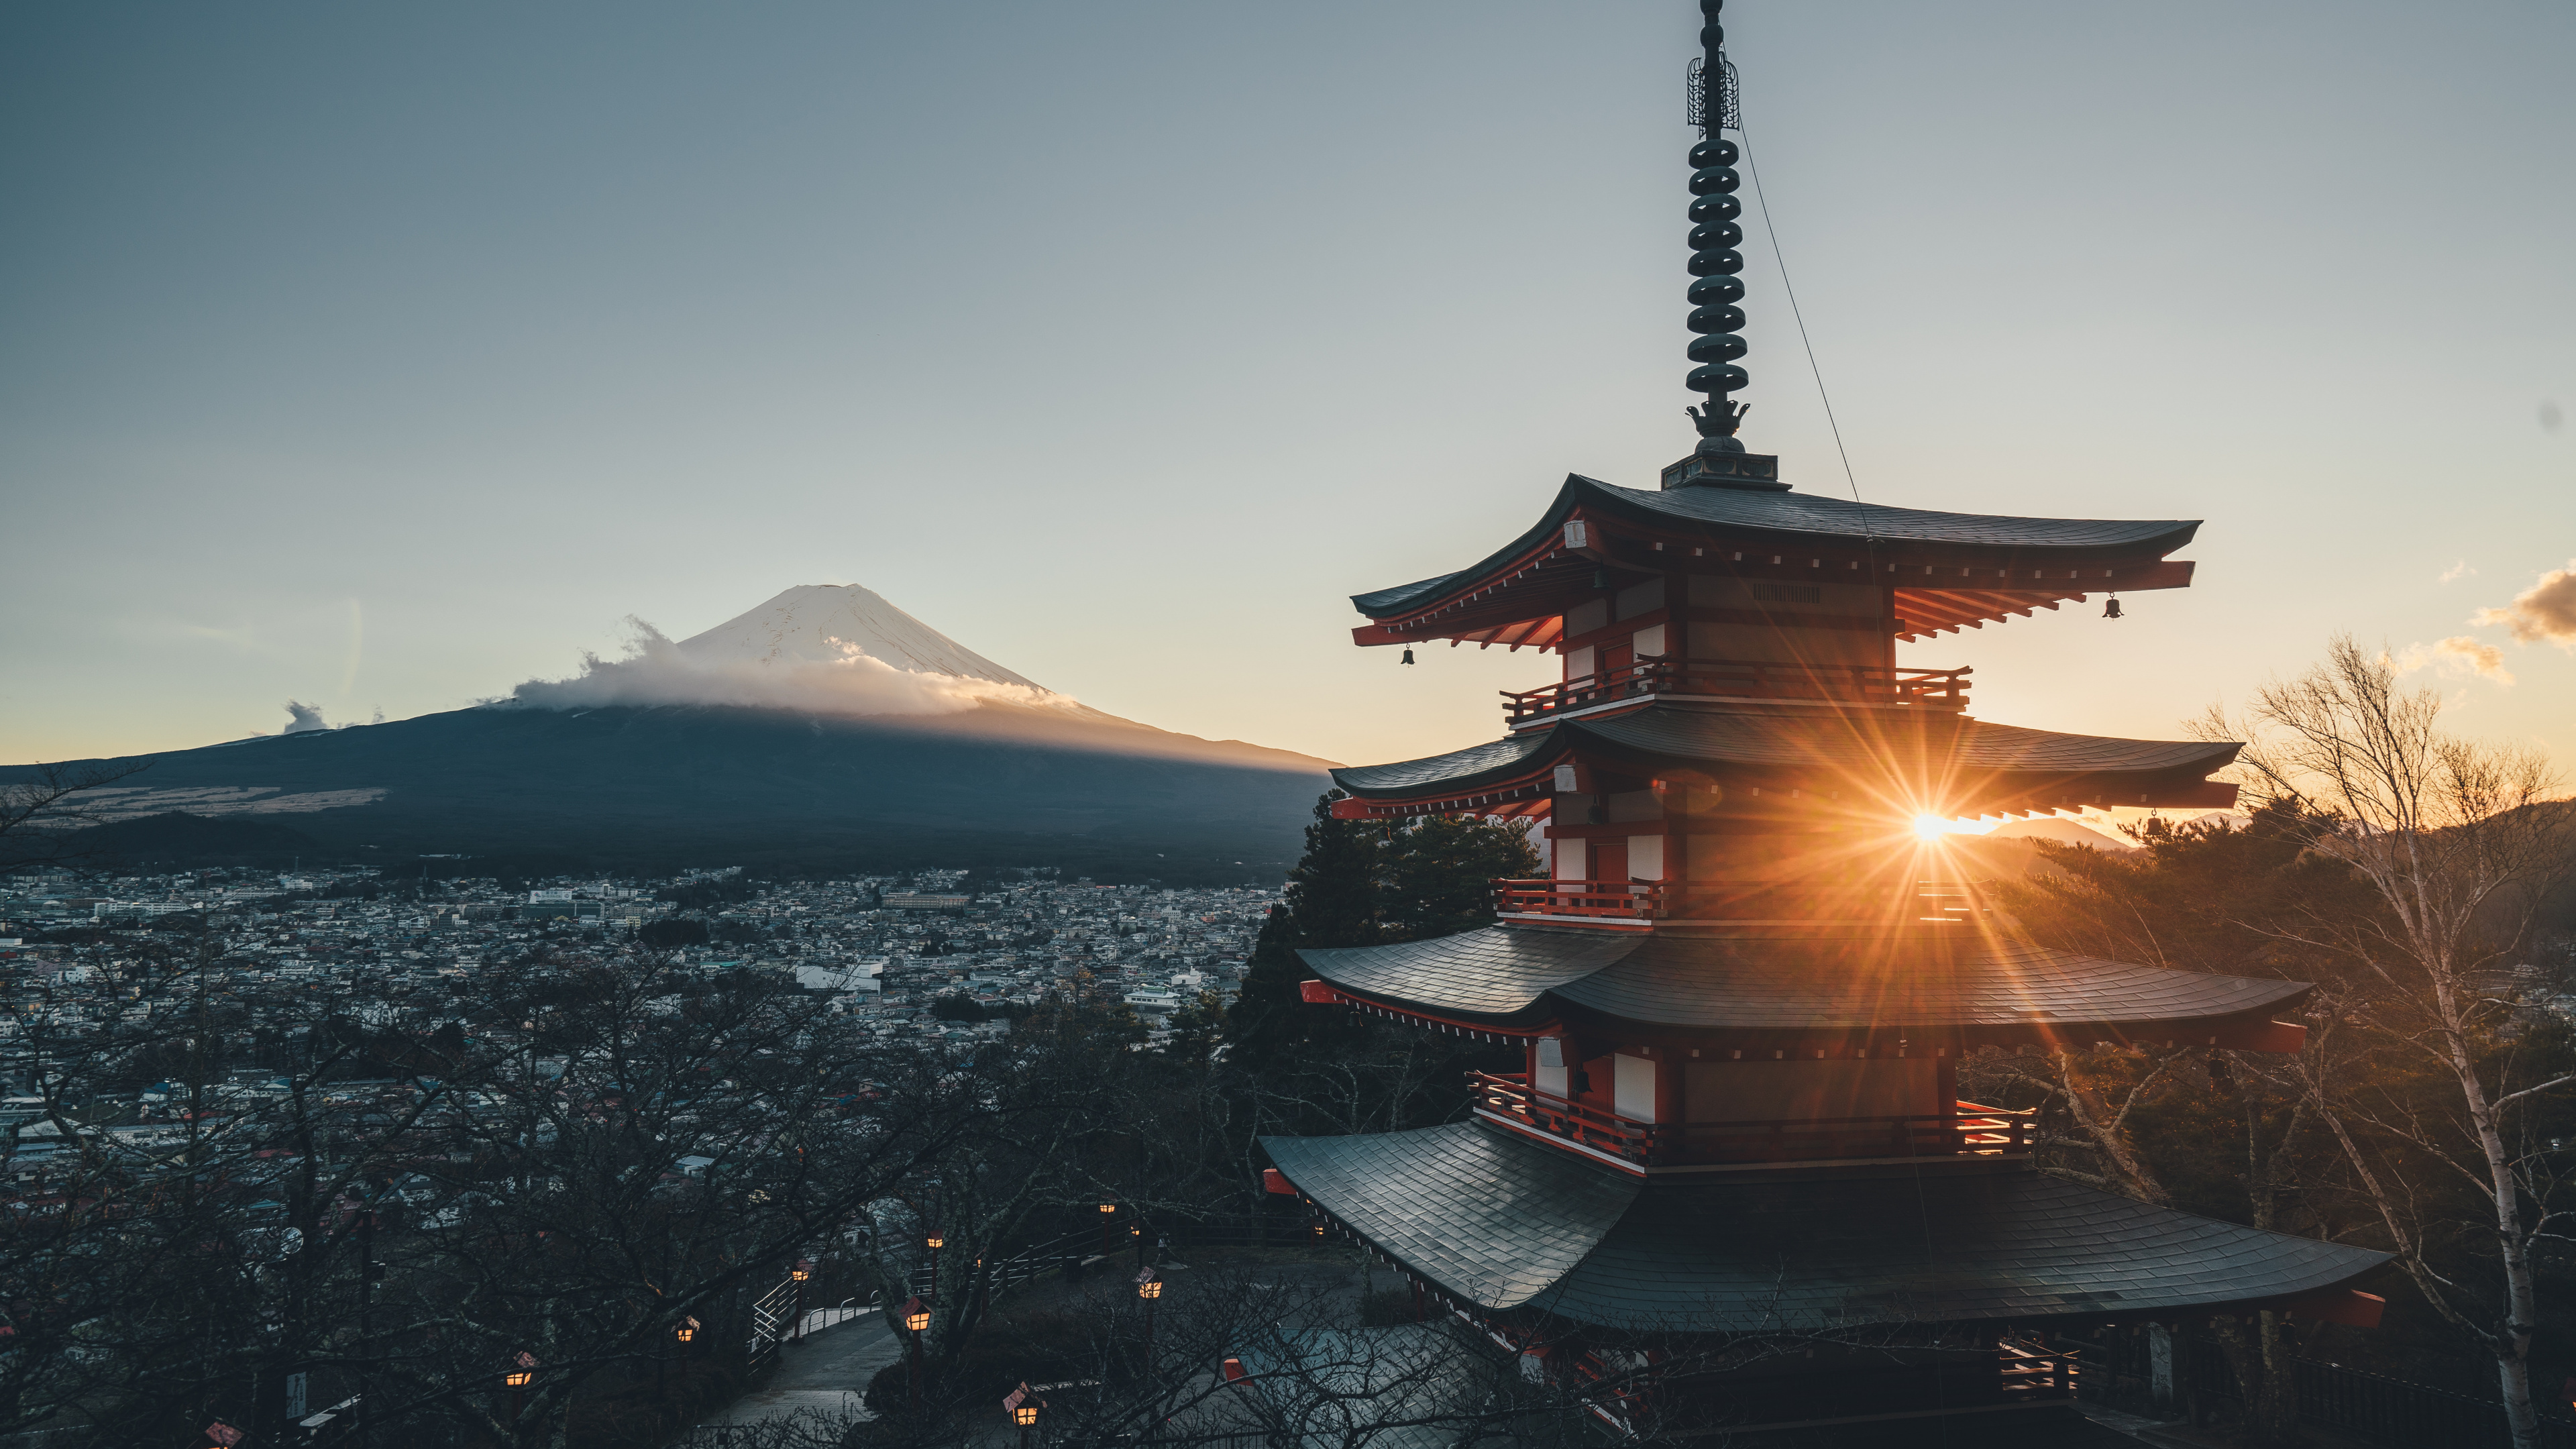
column 2456, row 571
column 2456, row 655
column 2545, row 613
column 657, row 671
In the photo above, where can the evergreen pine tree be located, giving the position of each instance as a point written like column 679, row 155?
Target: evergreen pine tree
column 1438, row 875
column 1355, row 886
column 1333, row 895
column 1331, row 901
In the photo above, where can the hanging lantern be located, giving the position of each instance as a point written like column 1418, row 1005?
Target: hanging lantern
column 2111, row 607
column 1408, row 654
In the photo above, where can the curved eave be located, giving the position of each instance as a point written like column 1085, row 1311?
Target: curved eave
column 1511, row 980
column 1979, row 768
column 1505, row 1224
column 1501, row 771
column 1951, row 570
column 1489, row 978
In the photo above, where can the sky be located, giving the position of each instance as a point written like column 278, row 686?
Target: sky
column 383, row 358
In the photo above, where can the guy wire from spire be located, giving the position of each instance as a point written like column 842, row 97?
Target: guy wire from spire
column 1782, row 261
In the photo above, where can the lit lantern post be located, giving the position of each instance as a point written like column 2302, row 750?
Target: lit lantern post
column 1023, row 1407
column 1149, row 1287
column 798, row 1275
column 935, row 1241
column 521, row 1373
column 1108, row 1229
column 916, row 1321
column 683, row 1334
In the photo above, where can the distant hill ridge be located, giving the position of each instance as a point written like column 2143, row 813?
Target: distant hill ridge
column 913, row 750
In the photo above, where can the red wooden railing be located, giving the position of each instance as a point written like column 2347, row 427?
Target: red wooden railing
column 1973, row 1129
column 2029, row 1369
column 1655, row 674
column 1933, row 902
column 1641, row 900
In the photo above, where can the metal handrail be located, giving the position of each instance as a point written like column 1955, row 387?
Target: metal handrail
column 1654, row 674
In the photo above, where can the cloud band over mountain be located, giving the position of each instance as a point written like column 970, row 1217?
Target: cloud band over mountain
column 846, row 679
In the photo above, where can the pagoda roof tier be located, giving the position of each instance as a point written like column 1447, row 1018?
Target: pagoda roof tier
column 1950, row 570
column 1925, row 760
column 1773, row 991
column 1507, row 1225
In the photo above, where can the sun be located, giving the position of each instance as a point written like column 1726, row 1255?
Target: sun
column 1928, row 828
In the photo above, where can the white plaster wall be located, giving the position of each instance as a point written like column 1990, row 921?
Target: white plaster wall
column 1550, row 1076
column 1646, row 857
column 1568, row 860
column 1633, row 1088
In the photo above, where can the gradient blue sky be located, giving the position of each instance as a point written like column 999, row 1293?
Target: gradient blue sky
column 386, row 356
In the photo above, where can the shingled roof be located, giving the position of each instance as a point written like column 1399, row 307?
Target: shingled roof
column 1514, row 975
column 1805, row 519
column 1506, row 1224
column 1866, row 747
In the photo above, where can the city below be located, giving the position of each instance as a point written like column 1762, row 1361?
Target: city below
column 935, row 956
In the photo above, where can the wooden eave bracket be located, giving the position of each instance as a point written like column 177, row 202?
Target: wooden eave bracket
column 1928, row 607
column 1317, row 992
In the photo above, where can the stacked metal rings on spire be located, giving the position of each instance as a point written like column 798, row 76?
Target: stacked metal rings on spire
column 1716, row 266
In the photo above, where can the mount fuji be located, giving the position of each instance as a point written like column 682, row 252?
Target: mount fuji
column 824, row 623
column 825, row 729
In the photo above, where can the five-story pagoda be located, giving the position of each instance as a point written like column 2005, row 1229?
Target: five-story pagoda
column 1742, row 994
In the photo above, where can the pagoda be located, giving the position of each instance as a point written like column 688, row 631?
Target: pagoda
column 1733, row 1176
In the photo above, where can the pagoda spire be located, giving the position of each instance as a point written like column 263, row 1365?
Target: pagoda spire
column 1716, row 266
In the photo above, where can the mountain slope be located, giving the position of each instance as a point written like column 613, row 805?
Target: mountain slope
column 2061, row 830
column 825, row 728
column 704, row 784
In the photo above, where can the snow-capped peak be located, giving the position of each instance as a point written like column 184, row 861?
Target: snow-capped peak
column 828, row 623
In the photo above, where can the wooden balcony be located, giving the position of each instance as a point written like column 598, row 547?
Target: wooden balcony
column 1972, row 1131
column 1931, row 903
column 1655, row 675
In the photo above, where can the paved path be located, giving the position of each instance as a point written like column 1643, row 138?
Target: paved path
column 825, row 1374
